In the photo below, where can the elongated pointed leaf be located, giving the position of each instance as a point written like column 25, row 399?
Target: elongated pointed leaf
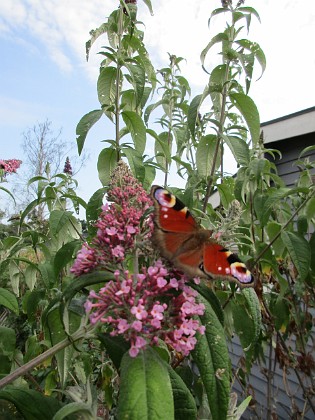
column 193, row 113
column 145, row 388
column 216, row 82
column 60, row 220
column 212, row 358
column 8, row 300
column 256, row 50
column 249, row 111
column 239, row 148
column 137, row 80
column 65, row 254
column 217, row 38
column 93, row 209
column 7, row 341
column 136, row 128
column 84, row 125
column 205, row 155
column 299, row 251
column 57, row 334
column 107, row 161
column 106, row 86
column 184, row 402
column 32, row 405
column 247, row 321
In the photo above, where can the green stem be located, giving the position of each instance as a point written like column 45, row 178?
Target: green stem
column 219, row 139
column 83, row 332
column 118, row 75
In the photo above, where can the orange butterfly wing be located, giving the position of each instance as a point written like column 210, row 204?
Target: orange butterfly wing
column 180, row 240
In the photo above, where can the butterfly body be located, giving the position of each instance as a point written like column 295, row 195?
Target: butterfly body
column 189, row 247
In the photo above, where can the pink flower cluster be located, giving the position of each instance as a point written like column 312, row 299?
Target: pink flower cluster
column 146, row 307
column 10, row 166
column 117, row 227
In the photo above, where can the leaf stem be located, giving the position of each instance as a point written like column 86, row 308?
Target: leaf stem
column 83, row 332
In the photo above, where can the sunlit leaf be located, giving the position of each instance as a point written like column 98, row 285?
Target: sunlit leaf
column 249, row 111
column 106, row 163
column 84, row 125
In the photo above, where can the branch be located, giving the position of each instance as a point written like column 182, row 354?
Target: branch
column 83, row 332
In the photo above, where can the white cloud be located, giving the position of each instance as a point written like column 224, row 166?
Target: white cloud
column 180, row 27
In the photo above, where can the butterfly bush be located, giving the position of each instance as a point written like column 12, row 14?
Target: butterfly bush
column 143, row 308
column 10, row 166
column 146, row 307
column 118, row 225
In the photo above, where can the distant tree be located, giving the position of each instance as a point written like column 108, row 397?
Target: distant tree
column 45, row 154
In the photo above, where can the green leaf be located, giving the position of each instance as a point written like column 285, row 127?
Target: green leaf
column 136, row 128
column 106, row 86
column 84, row 125
column 86, row 280
column 135, row 162
column 57, row 334
column 250, row 10
column 310, row 209
column 145, row 388
column 217, row 38
column 226, row 191
column 249, row 111
column 273, row 229
column 193, row 113
column 152, row 107
column 95, row 33
column 8, row 300
column 205, row 154
column 184, row 402
column 94, row 208
column 8, row 192
column 212, row 359
column 299, row 251
column 256, row 50
column 137, row 80
column 107, row 161
column 281, row 313
column 217, row 78
column 163, row 148
column 211, row 298
column 30, row 274
column 48, row 274
column 31, row 301
column 239, row 148
column 247, row 321
column 83, row 410
column 65, row 254
column 115, row 347
column 60, row 220
column 32, row 405
column 7, row 341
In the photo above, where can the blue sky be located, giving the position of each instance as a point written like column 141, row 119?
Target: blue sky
column 44, row 74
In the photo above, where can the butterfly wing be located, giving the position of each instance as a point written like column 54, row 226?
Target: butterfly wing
column 175, row 231
column 180, row 240
column 171, row 215
column 219, row 262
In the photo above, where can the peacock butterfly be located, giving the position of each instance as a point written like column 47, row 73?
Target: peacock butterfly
column 190, row 247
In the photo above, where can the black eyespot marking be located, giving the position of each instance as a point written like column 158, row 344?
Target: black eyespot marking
column 232, row 258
